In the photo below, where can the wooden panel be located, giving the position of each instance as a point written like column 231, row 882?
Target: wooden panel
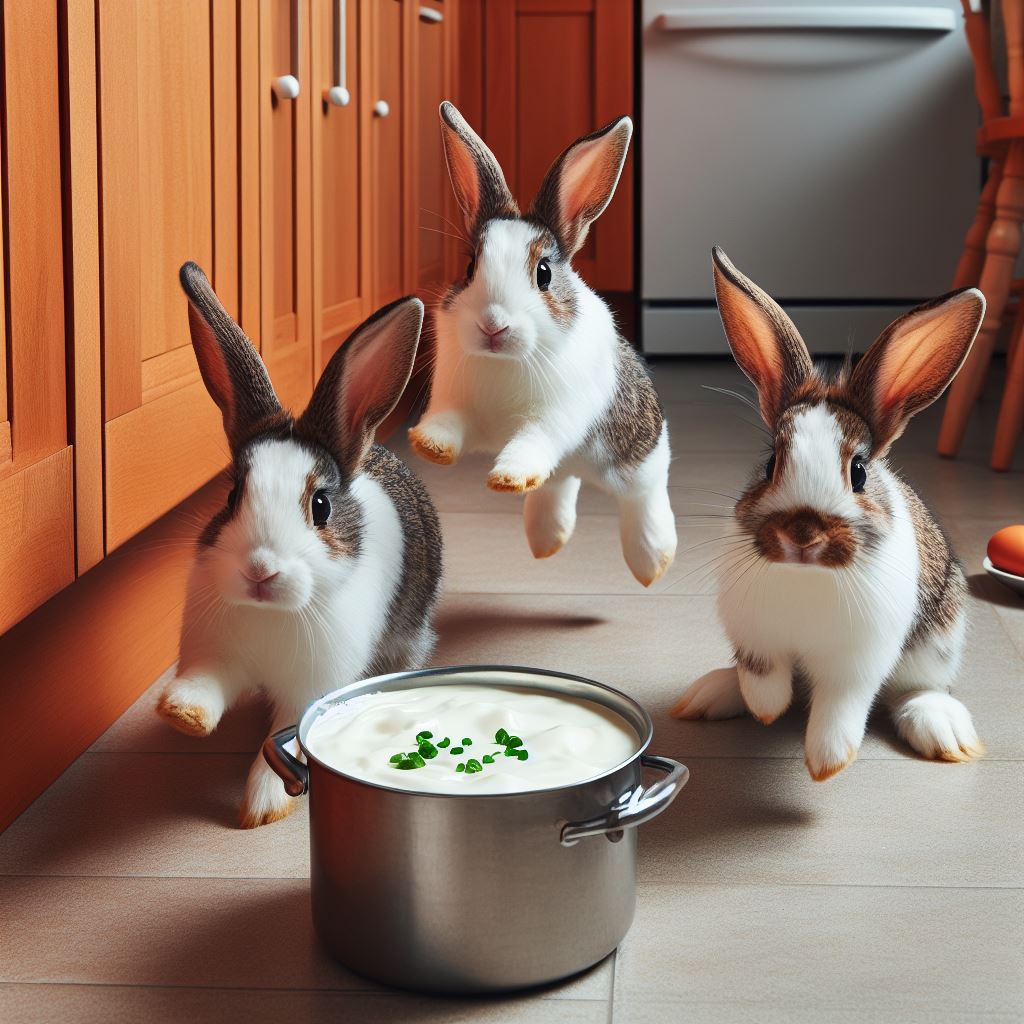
column 435, row 220
column 556, row 70
column 83, row 238
column 141, row 488
column 168, row 72
column 286, row 341
column 37, row 553
column 341, row 182
column 389, row 217
column 81, row 660
column 37, row 557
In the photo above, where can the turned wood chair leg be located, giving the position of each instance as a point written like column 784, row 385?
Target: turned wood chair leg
column 1002, row 247
column 968, row 270
column 1011, row 411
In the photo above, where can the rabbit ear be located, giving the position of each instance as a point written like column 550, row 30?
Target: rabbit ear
column 231, row 367
column 476, row 175
column 364, row 381
column 914, row 360
column 765, row 342
column 581, row 183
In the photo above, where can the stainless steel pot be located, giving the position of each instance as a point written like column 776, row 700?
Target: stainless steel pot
column 475, row 893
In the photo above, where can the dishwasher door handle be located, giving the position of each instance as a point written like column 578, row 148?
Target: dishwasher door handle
column 786, row 17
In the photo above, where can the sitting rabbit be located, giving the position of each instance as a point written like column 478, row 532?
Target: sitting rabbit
column 529, row 364
column 852, row 587
column 324, row 565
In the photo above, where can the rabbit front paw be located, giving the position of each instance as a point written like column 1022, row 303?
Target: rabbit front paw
column 937, row 726
column 768, row 691
column 193, row 705
column 515, row 480
column 437, row 441
column 828, row 755
column 715, row 695
column 265, row 799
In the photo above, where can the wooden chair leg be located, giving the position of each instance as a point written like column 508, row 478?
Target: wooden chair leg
column 968, row 270
column 1002, row 247
column 1011, row 411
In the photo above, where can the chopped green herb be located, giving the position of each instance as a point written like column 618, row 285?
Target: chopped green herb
column 522, row 754
column 474, row 765
column 501, row 736
column 460, row 767
column 407, row 765
column 509, row 752
column 421, row 736
column 396, row 758
column 467, row 742
column 488, row 759
column 444, row 743
column 513, row 742
column 428, row 750
column 456, row 750
column 417, row 760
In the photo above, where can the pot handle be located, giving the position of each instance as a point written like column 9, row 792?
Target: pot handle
column 634, row 808
column 294, row 774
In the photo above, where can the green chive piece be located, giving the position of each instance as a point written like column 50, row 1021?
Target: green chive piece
column 522, row 754
column 474, row 764
column 467, row 742
column 444, row 743
column 513, row 742
column 501, row 736
column 456, row 750
column 428, row 750
column 460, row 767
column 488, row 759
column 417, row 760
column 396, row 758
column 509, row 752
column 406, row 765
column 421, row 736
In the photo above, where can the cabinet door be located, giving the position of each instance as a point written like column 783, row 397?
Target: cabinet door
column 168, row 174
column 36, row 504
column 341, row 174
column 386, row 103
column 555, row 70
column 433, row 203
column 286, row 338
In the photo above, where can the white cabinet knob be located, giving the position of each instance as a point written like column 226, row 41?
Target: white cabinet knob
column 381, row 108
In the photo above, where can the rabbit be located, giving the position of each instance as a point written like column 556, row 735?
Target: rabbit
column 848, row 584
column 324, row 566
column 529, row 365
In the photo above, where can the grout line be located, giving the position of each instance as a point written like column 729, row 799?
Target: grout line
column 762, row 885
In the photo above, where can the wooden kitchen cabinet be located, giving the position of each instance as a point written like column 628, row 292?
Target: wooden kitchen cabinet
column 552, row 71
column 37, row 553
column 167, row 169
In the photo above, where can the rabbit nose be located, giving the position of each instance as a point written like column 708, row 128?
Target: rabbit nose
column 494, row 332
column 259, row 572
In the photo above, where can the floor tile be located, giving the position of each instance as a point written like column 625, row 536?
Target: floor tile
column 879, row 822
column 152, row 814
column 192, row 932
column 868, row 950
column 100, row 1004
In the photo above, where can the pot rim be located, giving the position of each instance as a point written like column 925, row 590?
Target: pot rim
column 308, row 716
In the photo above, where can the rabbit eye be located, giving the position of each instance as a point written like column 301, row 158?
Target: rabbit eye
column 543, row 275
column 769, row 468
column 471, row 268
column 858, row 476
column 321, row 506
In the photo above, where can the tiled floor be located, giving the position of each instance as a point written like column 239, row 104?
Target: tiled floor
column 894, row 892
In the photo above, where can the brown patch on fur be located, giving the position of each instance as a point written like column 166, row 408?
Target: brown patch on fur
column 246, row 819
column 560, row 297
column 425, row 448
column 190, row 719
column 804, row 527
column 631, row 428
column 514, row 484
column 942, row 588
column 755, row 664
column 832, row 769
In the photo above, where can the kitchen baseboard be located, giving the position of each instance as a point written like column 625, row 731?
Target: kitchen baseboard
column 74, row 665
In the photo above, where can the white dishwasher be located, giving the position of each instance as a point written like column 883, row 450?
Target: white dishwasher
column 827, row 147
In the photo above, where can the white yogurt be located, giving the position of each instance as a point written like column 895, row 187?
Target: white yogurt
column 568, row 739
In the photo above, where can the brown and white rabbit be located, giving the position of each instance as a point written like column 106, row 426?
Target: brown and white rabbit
column 847, row 581
column 324, row 566
column 529, row 364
